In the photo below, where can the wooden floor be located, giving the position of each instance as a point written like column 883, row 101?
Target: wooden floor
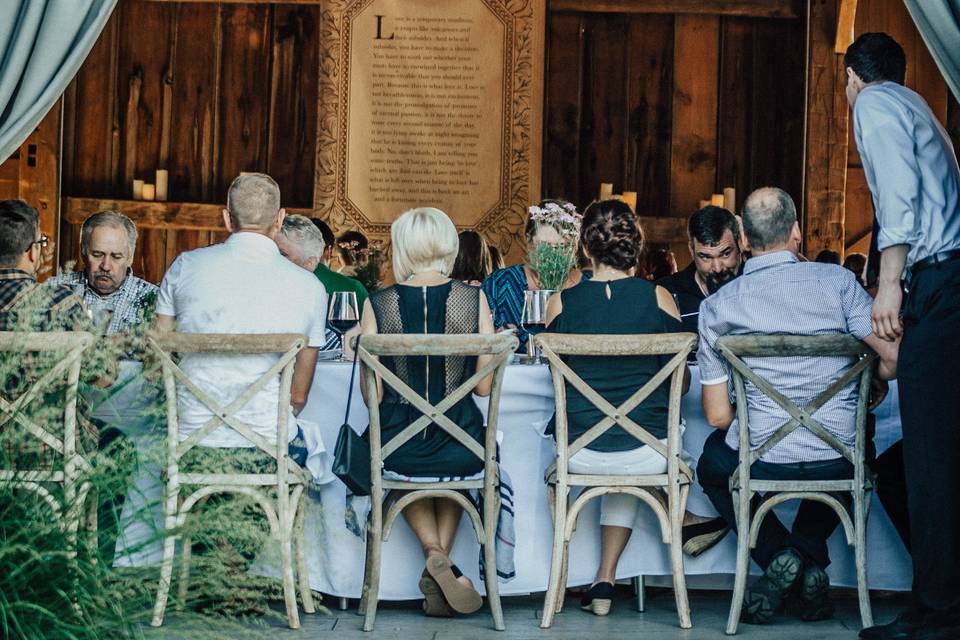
column 659, row 622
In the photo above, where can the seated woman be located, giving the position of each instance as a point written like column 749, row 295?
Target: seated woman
column 426, row 300
column 352, row 248
column 474, row 262
column 553, row 222
column 612, row 302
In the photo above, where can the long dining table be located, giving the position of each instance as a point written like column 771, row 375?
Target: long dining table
column 335, row 554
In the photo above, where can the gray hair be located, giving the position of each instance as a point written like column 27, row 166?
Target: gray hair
column 303, row 234
column 253, row 201
column 768, row 217
column 113, row 219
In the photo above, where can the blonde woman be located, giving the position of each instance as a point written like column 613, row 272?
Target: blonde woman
column 426, row 300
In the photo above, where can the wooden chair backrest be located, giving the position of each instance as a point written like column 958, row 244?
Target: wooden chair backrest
column 735, row 348
column 372, row 347
column 69, row 346
column 676, row 345
column 163, row 345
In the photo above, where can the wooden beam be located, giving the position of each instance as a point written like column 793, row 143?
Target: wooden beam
column 748, row 8
column 664, row 229
column 188, row 216
column 845, row 26
column 827, row 130
column 40, row 172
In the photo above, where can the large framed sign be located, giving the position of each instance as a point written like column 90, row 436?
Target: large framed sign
column 430, row 103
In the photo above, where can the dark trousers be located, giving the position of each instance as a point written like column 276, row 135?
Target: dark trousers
column 891, row 487
column 815, row 521
column 928, row 371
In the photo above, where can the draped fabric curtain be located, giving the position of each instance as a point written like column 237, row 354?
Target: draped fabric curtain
column 42, row 45
column 939, row 23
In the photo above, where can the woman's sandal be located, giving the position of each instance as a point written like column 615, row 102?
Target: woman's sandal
column 598, row 599
column 433, row 602
column 462, row 598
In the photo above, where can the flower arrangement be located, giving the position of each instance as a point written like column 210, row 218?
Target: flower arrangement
column 552, row 261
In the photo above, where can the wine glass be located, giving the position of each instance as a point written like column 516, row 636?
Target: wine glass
column 343, row 313
column 534, row 317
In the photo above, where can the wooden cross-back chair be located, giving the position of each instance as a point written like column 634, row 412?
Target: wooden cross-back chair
column 370, row 349
column 281, row 494
column 734, row 349
column 647, row 488
column 58, row 441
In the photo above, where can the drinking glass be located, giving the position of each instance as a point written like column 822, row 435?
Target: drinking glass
column 343, row 313
column 533, row 318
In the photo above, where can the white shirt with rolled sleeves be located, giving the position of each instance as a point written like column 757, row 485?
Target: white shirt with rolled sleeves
column 241, row 286
column 911, row 169
column 778, row 294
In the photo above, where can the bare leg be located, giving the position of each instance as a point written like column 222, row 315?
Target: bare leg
column 613, row 542
column 422, row 518
column 448, row 520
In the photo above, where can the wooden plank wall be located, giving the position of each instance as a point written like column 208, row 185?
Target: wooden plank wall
column 674, row 107
column 923, row 77
column 203, row 90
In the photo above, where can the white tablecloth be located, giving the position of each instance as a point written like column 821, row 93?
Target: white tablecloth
column 335, row 555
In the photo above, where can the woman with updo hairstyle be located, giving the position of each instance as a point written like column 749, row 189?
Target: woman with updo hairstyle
column 614, row 302
column 352, row 248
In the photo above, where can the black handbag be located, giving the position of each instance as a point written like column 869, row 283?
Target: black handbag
column 351, row 456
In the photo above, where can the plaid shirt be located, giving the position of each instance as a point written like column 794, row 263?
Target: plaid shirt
column 26, row 305
column 132, row 303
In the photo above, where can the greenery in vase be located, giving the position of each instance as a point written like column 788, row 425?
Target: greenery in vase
column 552, row 263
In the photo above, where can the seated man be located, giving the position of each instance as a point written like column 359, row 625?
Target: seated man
column 243, row 286
column 714, row 245
column 779, row 294
column 107, row 243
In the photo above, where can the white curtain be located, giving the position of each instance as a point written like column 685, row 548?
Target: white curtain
column 939, row 23
column 42, row 45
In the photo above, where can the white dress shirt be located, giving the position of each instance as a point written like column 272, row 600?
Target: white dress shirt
column 241, row 286
column 911, row 169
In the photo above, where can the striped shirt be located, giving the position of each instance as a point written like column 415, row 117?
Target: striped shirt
column 132, row 303
column 777, row 294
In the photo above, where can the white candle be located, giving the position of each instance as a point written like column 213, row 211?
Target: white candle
column 138, row 189
column 716, row 199
column 162, row 178
column 630, row 197
column 704, row 203
column 149, row 191
column 606, row 190
column 730, row 199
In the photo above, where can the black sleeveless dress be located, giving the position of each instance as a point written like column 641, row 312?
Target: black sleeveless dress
column 452, row 308
column 630, row 308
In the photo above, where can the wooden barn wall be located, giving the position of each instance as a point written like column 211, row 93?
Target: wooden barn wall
column 923, row 77
column 204, row 90
column 674, row 107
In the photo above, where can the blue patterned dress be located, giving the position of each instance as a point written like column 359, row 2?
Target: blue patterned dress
column 504, row 290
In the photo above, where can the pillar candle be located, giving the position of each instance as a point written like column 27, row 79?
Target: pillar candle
column 730, row 199
column 716, row 199
column 704, row 203
column 606, row 190
column 162, row 176
column 149, row 191
column 630, row 197
column 138, row 189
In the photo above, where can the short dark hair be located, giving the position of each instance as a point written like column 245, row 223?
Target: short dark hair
column 328, row 238
column 473, row 258
column 828, row 256
column 611, row 235
column 708, row 225
column 876, row 57
column 768, row 217
column 18, row 230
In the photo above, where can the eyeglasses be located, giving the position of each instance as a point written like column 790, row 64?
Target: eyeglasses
column 43, row 242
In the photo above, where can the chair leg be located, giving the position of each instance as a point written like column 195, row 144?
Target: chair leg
column 367, row 562
column 93, row 539
column 564, row 567
column 306, row 595
column 640, row 590
column 371, row 583
column 860, row 555
column 490, row 573
column 559, row 526
column 679, row 578
column 286, row 518
column 743, row 565
column 166, row 574
column 186, row 554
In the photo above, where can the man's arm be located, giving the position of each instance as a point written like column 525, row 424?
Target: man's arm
column 888, row 352
column 717, row 408
column 166, row 323
column 303, row 368
column 886, row 308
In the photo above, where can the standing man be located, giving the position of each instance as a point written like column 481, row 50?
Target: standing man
column 912, row 172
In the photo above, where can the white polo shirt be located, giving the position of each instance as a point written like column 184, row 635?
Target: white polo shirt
column 241, row 286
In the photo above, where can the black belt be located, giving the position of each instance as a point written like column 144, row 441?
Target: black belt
column 937, row 258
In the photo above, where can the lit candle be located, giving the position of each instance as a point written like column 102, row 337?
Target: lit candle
column 138, row 189
column 149, row 192
column 162, row 177
column 716, row 199
column 606, row 190
column 630, row 197
column 730, row 199
column 704, row 203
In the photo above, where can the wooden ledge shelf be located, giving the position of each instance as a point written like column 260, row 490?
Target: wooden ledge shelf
column 152, row 214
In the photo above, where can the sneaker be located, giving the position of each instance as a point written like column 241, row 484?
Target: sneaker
column 699, row 537
column 814, row 595
column 904, row 627
column 765, row 596
column 598, row 599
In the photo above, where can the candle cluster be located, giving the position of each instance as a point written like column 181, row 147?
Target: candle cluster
column 152, row 191
column 606, row 193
